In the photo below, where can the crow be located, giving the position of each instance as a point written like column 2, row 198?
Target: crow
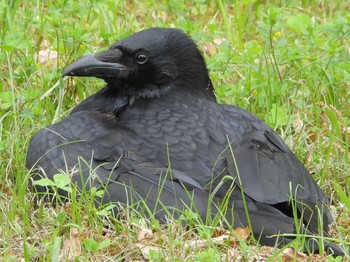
column 155, row 134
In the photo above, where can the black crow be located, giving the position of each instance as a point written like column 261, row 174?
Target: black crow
column 156, row 133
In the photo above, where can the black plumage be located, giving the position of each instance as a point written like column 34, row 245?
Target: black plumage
column 156, row 125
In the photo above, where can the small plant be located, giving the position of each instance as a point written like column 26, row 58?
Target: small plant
column 93, row 246
column 59, row 181
column 209, row 255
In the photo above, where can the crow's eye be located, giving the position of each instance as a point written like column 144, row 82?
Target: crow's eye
column 141, row 58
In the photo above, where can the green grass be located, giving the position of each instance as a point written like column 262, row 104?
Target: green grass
column 286, row 61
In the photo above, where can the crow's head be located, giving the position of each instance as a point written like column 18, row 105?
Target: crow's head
column 151, row 62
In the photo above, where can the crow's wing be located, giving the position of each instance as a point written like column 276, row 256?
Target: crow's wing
column 87, row 146
column 98, row 150
column 268, row 170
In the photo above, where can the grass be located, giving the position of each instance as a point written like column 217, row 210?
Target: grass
column 285, row 61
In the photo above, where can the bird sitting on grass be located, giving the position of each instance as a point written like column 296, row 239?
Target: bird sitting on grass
column 156, row 134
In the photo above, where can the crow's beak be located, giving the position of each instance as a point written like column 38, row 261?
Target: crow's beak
column 101, row 65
